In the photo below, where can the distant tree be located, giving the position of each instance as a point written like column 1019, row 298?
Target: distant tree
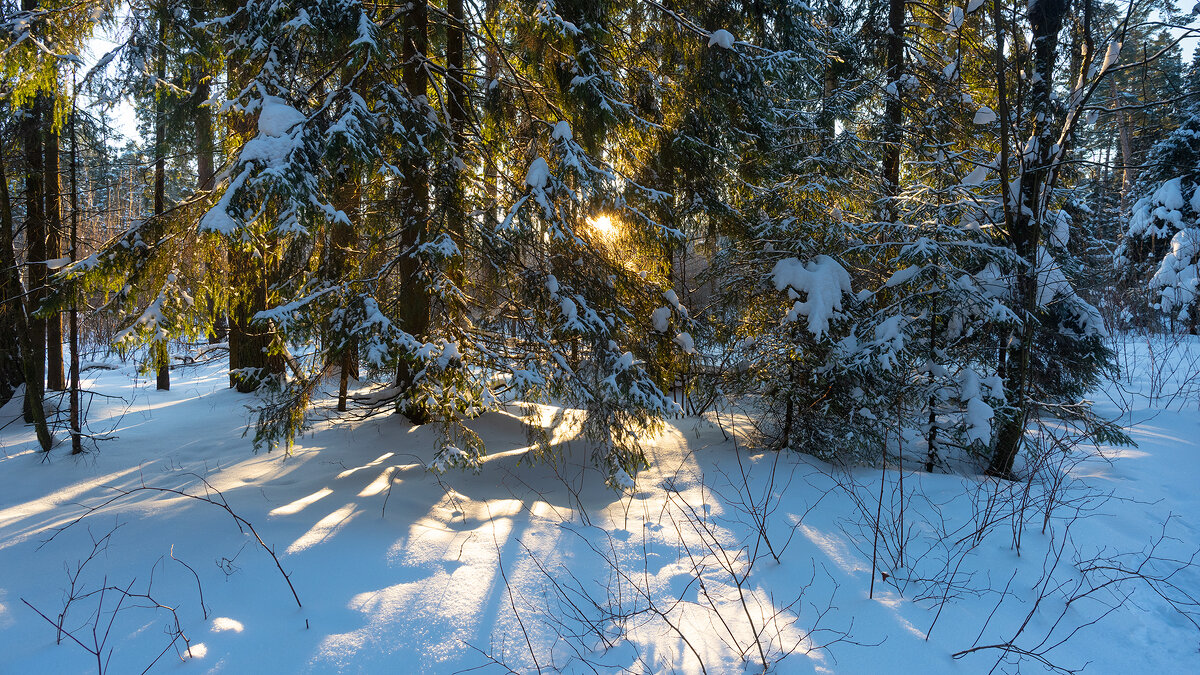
column 1161, row 245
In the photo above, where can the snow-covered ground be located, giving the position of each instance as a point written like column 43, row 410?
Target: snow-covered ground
column 720, row 559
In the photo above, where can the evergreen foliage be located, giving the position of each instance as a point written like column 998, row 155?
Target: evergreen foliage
column 865, row 221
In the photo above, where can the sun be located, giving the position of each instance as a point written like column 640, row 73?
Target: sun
column 603, row 226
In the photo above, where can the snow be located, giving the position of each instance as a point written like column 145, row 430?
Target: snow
column 660, row 319
column 1055, row 287
column 218, row 218
column 1177, row 278
column 562, row 131
column 395, row 565
column 979, row 421
column 686, row 343
column 974, row 5
column 1111, row 54
column 279, row 126
column 1160, row 213
column 951, row 69
column 570, row 311
column 822, row 280
column 1170, row 194
column 977, row 176
column 197, row 651
column 900, row 276
column 672, row 297
column 1060, row 234
column 978, row 414
column 1051, row 280
column 955, row 21
column 277, row 117
column 538, row 174
column 624, row 362
column 366, row 33
column 984, row 115
column 224, row 623
column 721, row 38
column 449, row 354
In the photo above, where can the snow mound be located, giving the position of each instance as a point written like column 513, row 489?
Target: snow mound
column 721, row 38
column 1170, row 194
column 538, row 174
column 985, row 115
column 224, row 623
column 1178, row 276
column 197, row 651
column 277, row 117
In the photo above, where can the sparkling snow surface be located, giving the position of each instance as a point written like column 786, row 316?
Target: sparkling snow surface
column 403, row 571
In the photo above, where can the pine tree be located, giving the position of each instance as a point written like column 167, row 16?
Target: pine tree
column 1160, row 245
column 33, row 86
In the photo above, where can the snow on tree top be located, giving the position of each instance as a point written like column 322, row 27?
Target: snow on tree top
column 276, row 118
column 1170, row 194
column 1178, row 277
column 822, row 280
column 721, row 38
column 985, row 115
column 539, row 173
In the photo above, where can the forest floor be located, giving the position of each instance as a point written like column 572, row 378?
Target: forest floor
column 719, row 560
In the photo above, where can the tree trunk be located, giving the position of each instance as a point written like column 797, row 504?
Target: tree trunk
column 204, row 137
column 202, row 123
column 346, row 198
column 76, row 420
column 457, row 102
column 35, row 236
column 931, row 454
column 488, row 278
column 250, row 358
column 16, row 312
column 825, row 121
column 55, row 379
column 1125, row 143
column 12, row 317
column 250, row 362
column 161, row 353
column 893, row 112
column 414, row 198
column 1046, row 20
